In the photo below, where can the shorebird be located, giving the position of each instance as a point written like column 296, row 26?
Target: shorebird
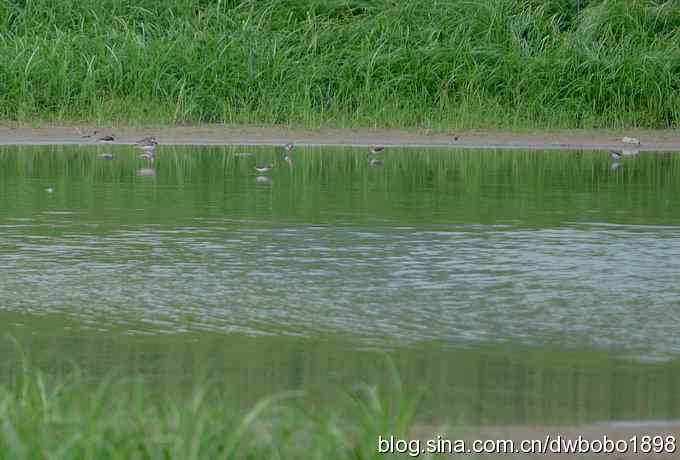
column 617, row 154
column 148, row 144
column 106, row 139
column 106, row 156
column 264, row 168
column 376, row 150
column 287, row 157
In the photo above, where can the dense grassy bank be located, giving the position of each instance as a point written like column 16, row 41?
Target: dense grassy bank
column 75, row 417
column 485, row 63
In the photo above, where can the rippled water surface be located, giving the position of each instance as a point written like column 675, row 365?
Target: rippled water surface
column 542, row 264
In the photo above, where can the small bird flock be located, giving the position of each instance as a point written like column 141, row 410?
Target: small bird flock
column 373, row 158
column 147, row 147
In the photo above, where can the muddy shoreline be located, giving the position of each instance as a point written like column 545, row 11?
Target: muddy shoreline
column 662, row 140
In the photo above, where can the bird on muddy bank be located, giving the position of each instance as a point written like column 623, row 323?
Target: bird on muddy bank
column 107, row 139
column 377, row 150
column 148, row 144
column 147, row 140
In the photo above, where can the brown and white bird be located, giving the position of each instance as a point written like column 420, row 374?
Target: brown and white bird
column 148, row 144
column 107, row 139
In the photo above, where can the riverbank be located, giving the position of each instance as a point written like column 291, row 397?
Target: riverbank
column 74, row 416
column 213, row 134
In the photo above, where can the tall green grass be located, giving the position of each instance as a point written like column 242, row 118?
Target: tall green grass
column 440, row 64
column 76, row 417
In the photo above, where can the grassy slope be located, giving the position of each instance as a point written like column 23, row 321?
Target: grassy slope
column 75, row 418
column 449, row 63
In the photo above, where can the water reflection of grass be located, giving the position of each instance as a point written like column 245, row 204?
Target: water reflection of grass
column 463, row 186
column 414, row 166
column 70, row 417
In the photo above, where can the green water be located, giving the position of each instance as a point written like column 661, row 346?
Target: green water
column 511, row 287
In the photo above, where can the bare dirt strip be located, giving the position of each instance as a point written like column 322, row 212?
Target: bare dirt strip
column 660, row 140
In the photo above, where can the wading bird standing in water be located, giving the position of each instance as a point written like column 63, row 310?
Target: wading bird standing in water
column 148, row 148
column 288, row 157
column 372, row 161
column 617, row 154
column 264, row 168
